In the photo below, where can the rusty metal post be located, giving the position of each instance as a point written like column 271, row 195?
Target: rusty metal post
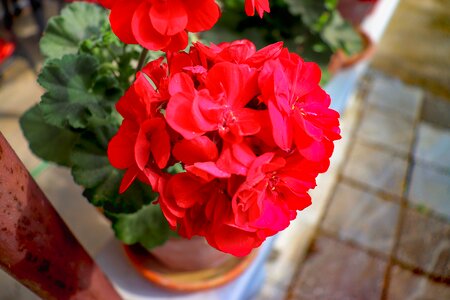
column 36, row 247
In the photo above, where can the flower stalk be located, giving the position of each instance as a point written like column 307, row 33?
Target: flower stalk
column 142, row 58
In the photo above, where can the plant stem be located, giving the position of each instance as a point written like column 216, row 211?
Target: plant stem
column 142, row 59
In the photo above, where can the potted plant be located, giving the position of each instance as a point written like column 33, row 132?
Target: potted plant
column 315, row 29
column 220, row 142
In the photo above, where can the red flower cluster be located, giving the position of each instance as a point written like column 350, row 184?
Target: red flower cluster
column 261, row 6
column 252, row 130
column 160, row 24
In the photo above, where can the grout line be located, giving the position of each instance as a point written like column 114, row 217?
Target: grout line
column 386, row 196
column 402, row 213
column 383, row 108
column 383, row 147
column 353, row 244
column 419, row 271
column 384, row 256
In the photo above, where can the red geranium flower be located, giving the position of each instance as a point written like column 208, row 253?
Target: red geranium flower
column 220, row 106
column 251, row 129
column 261, row 6
column 160, row 24
column 274, row 190
column 198, row 207
column 142, row 145
column 239, row 52
column 298, row 107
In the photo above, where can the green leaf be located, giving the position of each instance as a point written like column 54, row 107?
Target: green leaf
column 65, row 33
column 147, row 226
column 49, row 142
column 73, row 97
column 92, row 170
column 340, row 34
column 315, row 13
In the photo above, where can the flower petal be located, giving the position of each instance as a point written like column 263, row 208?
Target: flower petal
column 200, row 149
column 120, row 19
column 179, row 116
column 143, row 30
column 128, row 178
column 168, row 19
column 234, row 240
column 238, row 82
column 178, row 42
column 202, row 14
column 120, row 148
column 282, row 129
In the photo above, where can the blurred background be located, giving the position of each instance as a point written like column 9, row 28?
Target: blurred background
column 380, row 224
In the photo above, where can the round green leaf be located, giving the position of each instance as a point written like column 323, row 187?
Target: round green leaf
column 147, row 226
column 48, row 142
column 73, row 99
column 65, row 33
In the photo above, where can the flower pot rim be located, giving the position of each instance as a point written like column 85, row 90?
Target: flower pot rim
column 186, row 281
column 340, row 60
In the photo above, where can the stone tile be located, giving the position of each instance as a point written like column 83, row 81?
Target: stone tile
column 407, row 285
column 376, row 168
column 391, row 94
column 425, row 243
column 387, row 129
column 362, row 217
column 430, row 188
column 290, row 247
column 87, row 224
column 436, row 110
column 334, row 270
column 433, row 145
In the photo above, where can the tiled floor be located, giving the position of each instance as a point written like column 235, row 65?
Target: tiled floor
column 337, row 270
column 376, row 168
column 416, row 44
column 385, row 233
column 376, row 231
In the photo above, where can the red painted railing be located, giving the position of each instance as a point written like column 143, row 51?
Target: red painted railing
column 36, row 247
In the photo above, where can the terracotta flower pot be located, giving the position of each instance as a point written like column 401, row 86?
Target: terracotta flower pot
column 187, row 265
column 356, row 10
column 189, row 255
column 340, row 60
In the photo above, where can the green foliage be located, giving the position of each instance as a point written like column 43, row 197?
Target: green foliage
column 147, row 226
column 77, row 94
column 314, row 13
column 47, row 141
column 92, row 170
column 115, row 58
column 312, row 28
column 87, row 70
column 65, row 33
column 340, row 34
